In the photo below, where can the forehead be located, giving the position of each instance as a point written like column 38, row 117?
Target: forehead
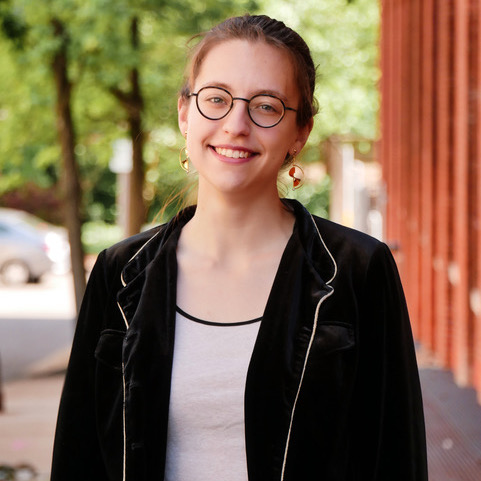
column 247, row 68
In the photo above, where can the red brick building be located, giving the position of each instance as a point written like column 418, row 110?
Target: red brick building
column 431, row 158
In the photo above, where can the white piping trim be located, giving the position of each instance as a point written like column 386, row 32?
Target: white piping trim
column 301, row 380
column 124, row 416
column 123, row 315
column 122, row 280
column 327, row 250
column 146, row 242
column 124, row 462
column 311, row 341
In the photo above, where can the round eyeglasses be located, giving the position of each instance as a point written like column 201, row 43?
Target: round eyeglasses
column 265, row 110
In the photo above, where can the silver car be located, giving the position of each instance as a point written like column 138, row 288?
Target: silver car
column 30, row 247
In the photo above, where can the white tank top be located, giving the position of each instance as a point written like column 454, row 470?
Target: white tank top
column 206, row 438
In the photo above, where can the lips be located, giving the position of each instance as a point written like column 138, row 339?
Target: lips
column 234, row 153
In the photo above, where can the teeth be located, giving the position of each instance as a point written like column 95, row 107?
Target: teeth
column 233, row 154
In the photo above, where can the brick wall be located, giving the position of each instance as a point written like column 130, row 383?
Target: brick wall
column 431, row 157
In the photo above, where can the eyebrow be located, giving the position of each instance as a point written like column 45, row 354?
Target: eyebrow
column 275, row 93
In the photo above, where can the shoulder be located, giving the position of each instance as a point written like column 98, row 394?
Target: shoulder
column 334, row 237
column 122, row 252
column 362, row 264
column 112, row 261
column 335, row 249
column 356, row 254
column 132, row 255
column 342, row 239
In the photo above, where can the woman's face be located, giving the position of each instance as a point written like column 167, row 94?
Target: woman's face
column 233, row 153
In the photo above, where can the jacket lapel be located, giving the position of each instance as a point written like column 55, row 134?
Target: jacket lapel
column 148, row 303
column 276, row 369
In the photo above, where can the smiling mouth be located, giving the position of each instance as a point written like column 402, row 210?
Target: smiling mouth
column 233, row 153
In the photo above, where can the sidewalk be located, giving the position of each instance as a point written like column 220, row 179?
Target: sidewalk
column 27, row 423
column 453, row 425
column 453, row 420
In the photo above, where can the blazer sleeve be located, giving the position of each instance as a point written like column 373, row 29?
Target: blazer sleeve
column 389, row 415
column 76, row 453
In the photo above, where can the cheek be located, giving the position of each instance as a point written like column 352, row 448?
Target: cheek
column 281, row 143
column 189, row 114
column 198, row 138
column 202, row 132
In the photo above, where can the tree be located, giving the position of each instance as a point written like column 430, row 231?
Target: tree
column 66, row 133
column 20, row 35
column 133, row 103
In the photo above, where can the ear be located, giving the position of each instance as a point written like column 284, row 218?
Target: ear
column 182, row 111
column 303, row 134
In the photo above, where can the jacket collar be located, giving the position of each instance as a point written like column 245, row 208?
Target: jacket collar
column 159, row 250
column 308, row 234
column 144, row 256
column 312, row 242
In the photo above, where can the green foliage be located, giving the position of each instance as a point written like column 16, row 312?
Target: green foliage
column 14, row 28
column 315, row 196
column 28, row 149
column 99, row 235
column 342, row 36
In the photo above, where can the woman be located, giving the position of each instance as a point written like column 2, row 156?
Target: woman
column 245, row 339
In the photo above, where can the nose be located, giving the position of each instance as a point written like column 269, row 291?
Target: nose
column 237, row 121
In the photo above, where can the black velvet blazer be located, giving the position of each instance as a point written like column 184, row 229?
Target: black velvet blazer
column 332, row 390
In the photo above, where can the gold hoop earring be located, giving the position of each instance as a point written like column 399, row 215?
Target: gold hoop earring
column 184, row 156
column 184, row 159
column 296, row 173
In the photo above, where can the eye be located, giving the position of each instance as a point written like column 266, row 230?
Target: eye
column 266, row 105
column 266, row 108
column 214, row 98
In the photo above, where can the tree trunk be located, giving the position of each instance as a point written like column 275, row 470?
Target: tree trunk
column 133, row 103
column 70, row 177
column 137, row 211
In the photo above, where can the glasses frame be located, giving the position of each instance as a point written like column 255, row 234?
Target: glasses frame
column 248, row 101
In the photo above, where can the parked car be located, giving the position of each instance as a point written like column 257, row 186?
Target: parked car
column 30, row 247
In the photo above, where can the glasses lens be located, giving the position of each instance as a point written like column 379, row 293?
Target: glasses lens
column 214, row 103
column 266, row 111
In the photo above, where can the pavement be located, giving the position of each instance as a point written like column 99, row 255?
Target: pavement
column 453, row 424
column 27, row 423
column 453, row 420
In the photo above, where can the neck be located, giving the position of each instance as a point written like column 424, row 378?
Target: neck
column 224, row 227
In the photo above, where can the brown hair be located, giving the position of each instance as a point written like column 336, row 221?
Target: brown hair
column 273, row 32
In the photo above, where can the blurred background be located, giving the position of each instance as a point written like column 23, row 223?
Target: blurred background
column 89, row 148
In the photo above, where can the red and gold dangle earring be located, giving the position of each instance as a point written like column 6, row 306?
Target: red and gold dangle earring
column 296, row 173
